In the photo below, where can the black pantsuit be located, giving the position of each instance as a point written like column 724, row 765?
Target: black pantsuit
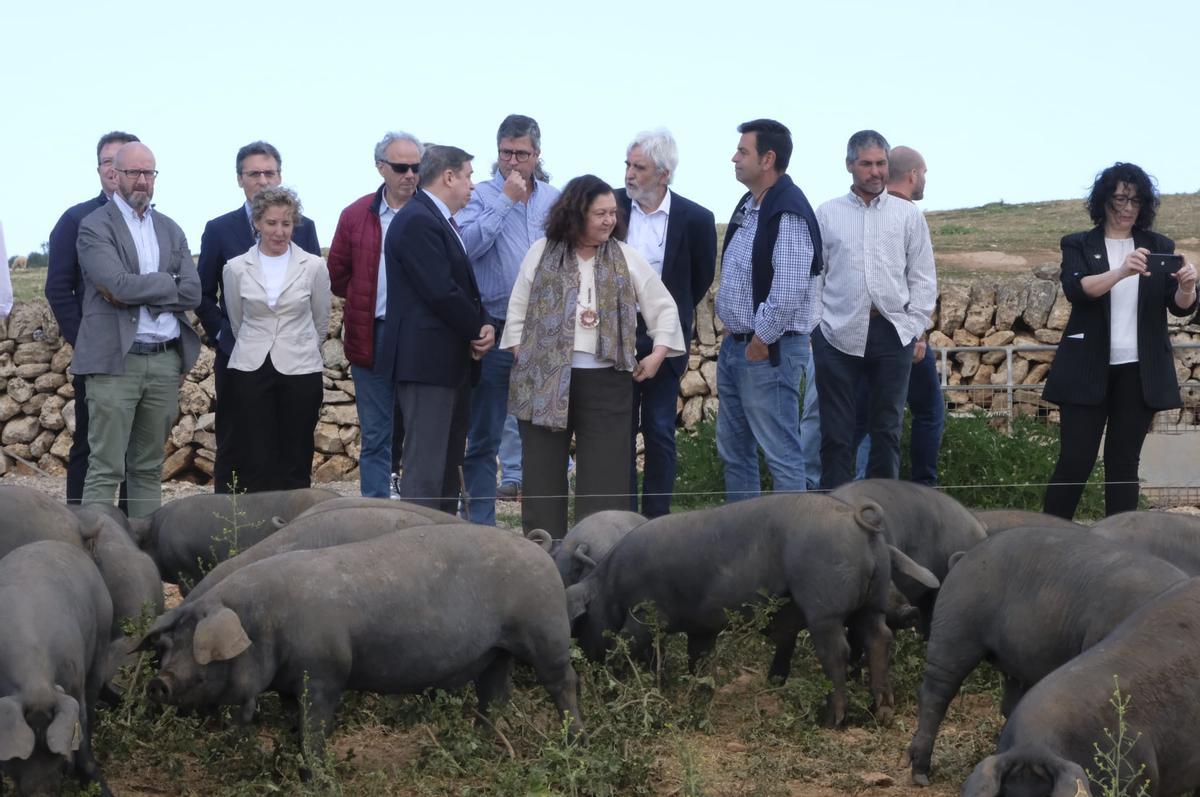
column 599, row 415
column 1097, row 398
column 272, row 416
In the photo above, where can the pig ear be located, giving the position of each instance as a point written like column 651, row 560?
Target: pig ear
column 579, row 595
column 986, row 779
column 139, row 529
column 164, row 623
column 901, row 563
column 64, row 733
column 16, row 737
column 954, row 559
column 219, row 637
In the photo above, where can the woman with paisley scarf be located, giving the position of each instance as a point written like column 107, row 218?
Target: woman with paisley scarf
column 572, row 323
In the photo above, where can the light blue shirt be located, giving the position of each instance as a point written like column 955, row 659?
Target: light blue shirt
column 444, row 209
column 497, row 233
column 158, row 327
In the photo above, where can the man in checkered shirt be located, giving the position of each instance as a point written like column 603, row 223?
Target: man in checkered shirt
column 879, row 293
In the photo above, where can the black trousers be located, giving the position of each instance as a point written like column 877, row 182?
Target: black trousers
column 435, row 432
column 272, row 417
column 222, row 426
column 1123, row 419
column 600, row 415
column 77, row 459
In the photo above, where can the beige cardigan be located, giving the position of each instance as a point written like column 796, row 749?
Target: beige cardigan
column 292, row 331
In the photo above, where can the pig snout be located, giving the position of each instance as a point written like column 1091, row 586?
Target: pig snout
column 160, row 688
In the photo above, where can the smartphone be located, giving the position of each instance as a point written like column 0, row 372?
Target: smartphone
column 1164, row 264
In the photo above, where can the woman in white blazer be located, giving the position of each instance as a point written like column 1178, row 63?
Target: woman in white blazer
column 278, row 300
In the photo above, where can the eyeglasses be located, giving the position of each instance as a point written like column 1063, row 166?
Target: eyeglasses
column 270, row 174
column 134, row 174
column 521, row 155
column 403, row 168
column 1120, row 201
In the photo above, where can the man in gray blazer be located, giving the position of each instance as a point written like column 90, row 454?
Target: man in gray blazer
column 135, row 343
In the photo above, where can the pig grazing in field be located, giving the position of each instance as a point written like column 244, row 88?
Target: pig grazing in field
column 1173, row 536
column 129, row 573
column 358, row 502
column 926, row 524
column 997, row 520
column 1048, row 740
column 189, row 535
column 1028, row 600
column 433, row 606
column 588, row 542
column 324, row 530
column 27, row 515
column 829, row 558
column 55, row 614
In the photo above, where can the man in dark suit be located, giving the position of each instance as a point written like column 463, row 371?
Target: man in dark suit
column 679, row 240
column 259, row 166
column 64, row 291
column 439, row 331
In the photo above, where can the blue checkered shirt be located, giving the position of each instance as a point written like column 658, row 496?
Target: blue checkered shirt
column 794, row 302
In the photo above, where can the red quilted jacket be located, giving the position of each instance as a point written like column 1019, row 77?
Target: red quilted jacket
column 354, row 273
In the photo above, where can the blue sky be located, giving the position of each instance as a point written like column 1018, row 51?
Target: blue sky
column 1019, row 101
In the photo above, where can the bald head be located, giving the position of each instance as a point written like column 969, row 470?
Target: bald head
column 906, row 173
column 135, row 168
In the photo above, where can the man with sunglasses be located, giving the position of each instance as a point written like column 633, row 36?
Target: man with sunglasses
column 358, row 274
column 259, row 166
column 504, row 217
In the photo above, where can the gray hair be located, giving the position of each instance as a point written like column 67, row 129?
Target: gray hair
column 516, row 125
column 659, row 146
column 437, row 158
column 397, row 135
column 276, row 196
column 862, row 140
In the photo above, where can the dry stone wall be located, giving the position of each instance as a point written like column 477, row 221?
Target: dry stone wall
column 37, row 400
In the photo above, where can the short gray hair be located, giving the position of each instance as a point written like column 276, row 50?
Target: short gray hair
column 276, row 196
column 863, row 139
column 437, row 158
column 396, row 135
column 659, row 146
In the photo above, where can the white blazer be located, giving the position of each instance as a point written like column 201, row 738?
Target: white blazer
column 292, row 331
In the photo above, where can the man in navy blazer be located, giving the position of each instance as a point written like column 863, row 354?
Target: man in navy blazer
column 259, row 166
column 439, row 331
column 64, row 291
column 679, row 240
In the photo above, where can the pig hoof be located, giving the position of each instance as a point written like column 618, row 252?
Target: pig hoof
column 920, row 779
column 884, row 715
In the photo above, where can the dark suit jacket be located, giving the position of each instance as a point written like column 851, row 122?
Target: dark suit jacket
column 225, row 238
column 64, row 279
column 434, row 309
column 689, row 262
column 1079, row 374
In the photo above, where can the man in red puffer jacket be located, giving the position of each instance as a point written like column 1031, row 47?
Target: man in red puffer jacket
column 357, row 274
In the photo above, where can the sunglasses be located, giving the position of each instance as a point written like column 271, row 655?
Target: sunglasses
column 402, row 168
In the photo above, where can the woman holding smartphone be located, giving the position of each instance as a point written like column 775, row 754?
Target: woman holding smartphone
column 1114, row 367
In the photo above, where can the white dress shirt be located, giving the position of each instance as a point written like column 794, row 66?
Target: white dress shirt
column 151, row 328
column 648, row 232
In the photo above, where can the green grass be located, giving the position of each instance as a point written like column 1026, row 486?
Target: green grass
column 28, row 284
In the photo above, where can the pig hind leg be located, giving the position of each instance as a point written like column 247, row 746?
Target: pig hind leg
column 833, row 651
column 785, row 625
column 871, row 630
column 492, row 685
column 949, row 659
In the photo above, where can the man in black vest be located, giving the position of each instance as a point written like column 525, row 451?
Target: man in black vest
column 769, row 301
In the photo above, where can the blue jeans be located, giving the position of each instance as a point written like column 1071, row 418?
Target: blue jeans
column 489, row 409
column 885, row 366
column 810, row 429
column 510, row 452
column 928, row 410
column 375, row 397
column 760, row 406
column 654, row 416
